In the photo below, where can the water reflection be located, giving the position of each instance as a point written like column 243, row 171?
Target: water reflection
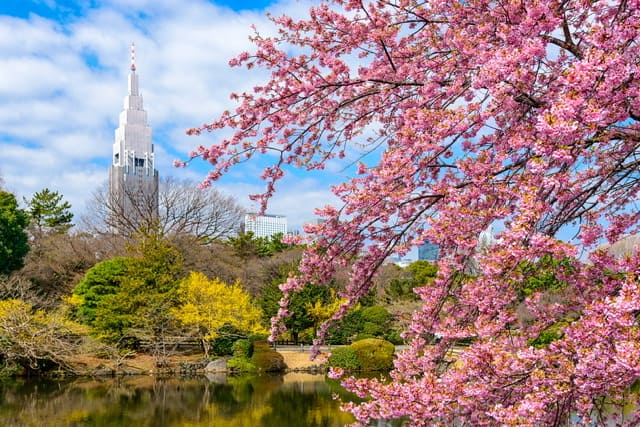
column 290, row 400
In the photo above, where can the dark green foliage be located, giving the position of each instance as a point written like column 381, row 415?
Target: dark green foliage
column 103, row 279
column 267, row 359
column 398, row 289
column 367, row 322
column 298, row 304
column 246, row 245
column 542, row 275
column 417, row 274
column 47, row 209
column 269, row 246
column 344, row 331
column 241, row 360
column 394, row 338
column 374, row 354
column 345, row 358
column 223, row 344
column 547, row 336
column 369, row 299
column 243, row 348
column 375, row 320
column 141, row 308
column 14, row 242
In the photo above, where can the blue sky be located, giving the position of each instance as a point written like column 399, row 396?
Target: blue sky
column 63, row 77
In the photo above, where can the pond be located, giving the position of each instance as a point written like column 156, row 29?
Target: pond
column 291, row 400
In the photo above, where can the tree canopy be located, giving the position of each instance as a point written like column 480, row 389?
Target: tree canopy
column 103, row 279
column 460, row 115
column 14, row 242
column 48, row 210
column 210, row 305
column 179, row 209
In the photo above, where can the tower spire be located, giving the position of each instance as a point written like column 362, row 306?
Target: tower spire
column 133, row 56
column 133, row 179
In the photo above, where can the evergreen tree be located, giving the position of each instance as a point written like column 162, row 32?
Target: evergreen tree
column 48, row 210
column 14, row 243
column 140, row 307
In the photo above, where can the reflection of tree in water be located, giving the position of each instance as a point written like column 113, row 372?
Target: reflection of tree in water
column 304, row 404
column 147, row 401
column 101, row 403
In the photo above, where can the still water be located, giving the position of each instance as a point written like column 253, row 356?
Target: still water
column 291, row 400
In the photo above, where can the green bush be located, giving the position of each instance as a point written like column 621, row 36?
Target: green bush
column 267, row 359
column 241, row 360
column 240, row 364
column 344, row 331
column 376, row 320
column 223, row 344
column 374, row 354
column 243, row 348
column 100, row 281
column 547, row 336
column 394, row 338
column 363, row 336
column 376, row 314
column 345, row 358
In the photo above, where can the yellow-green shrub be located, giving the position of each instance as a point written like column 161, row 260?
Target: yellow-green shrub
column 374, row 354
column 345, row 358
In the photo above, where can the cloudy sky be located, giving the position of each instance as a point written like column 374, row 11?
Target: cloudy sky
column 63, row 77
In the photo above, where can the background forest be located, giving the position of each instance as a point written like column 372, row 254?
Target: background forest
column 68, row 289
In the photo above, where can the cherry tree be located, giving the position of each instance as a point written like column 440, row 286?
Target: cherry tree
column 524, row 115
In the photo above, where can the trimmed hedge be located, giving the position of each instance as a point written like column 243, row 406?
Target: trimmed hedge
column 374, row 354
column 345, row 358
column 369, row 354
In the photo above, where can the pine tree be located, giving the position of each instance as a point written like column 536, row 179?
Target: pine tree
column 48, row 210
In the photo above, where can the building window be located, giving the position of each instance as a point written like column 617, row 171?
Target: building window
column 139, row 162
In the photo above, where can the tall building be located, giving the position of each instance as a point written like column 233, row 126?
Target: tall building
column 133, row 179
column 265, row 225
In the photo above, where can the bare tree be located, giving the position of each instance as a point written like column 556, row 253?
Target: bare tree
column 182, row 209
column 56, row 263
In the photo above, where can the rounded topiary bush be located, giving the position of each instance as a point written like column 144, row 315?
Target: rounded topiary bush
column 345, row 358
column 267, row 359
column 374, row 354
column 362, row 336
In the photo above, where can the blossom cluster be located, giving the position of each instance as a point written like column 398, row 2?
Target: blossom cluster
column 522, row 114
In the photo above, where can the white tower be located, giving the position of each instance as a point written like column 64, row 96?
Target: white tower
column 133, row 179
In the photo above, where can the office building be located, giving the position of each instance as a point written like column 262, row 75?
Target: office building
column 265, row 225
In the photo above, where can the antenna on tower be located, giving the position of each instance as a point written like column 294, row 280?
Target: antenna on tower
column 133, row 56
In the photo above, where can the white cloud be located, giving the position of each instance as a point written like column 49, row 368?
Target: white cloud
column 62, row 85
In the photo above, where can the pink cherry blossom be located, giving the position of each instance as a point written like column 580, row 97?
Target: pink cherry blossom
column 523, row 114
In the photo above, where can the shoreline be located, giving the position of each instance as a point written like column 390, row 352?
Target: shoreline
column 144, row 364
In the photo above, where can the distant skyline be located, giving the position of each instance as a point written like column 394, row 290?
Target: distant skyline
column 63, row 77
